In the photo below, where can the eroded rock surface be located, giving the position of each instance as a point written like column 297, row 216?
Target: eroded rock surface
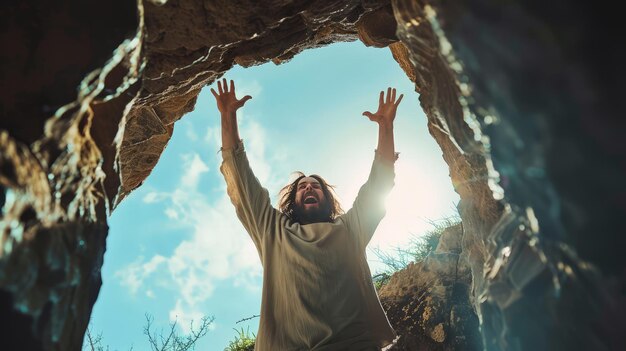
column 524, row 101
column 53, row 220
column 428, row 302
column 526, row 86
column 190, row 44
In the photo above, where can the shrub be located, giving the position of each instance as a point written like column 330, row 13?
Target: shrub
column 244, row 341
column 417, row 250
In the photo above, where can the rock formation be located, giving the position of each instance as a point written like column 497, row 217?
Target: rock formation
column 428, row 302
column 524, row 100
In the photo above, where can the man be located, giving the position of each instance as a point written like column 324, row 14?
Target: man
column 317, row 286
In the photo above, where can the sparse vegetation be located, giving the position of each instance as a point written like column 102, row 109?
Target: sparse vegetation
column 381, row 279
column 244, row 341
column 418, row 249
column 94, row 342
column 172, row 341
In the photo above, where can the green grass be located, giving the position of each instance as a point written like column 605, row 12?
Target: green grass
column 244, row 341
column 418, row 249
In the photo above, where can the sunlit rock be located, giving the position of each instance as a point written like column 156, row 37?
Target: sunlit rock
column 428, row 302
column 525, row 102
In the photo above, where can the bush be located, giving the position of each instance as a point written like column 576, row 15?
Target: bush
column 417, row 250
column 244, row 341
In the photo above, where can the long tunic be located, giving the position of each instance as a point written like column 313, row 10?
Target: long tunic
column 317, row 287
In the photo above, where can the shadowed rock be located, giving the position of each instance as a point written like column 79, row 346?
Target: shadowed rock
column 524, row 101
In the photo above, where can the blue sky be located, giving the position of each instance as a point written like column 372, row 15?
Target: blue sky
column 175, row 248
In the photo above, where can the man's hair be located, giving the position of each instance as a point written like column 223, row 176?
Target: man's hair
column 287, row 202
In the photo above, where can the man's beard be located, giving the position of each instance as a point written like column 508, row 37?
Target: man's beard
column 313, row 215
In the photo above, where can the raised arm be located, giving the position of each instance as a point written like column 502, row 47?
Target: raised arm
column 368, row 208
column 251, row 200
column 384, row 117
column 228, row 105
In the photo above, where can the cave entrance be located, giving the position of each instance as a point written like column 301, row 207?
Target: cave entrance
column 195, row 258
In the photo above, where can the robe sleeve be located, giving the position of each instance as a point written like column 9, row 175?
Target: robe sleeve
column 251, row 200
column 368, row 208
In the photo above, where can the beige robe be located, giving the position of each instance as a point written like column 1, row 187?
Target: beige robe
column 317, row 287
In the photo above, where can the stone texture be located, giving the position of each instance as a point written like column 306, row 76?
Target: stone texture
column 67, row 158
column 428, row 302
column 59, row 90
column 523, row 99
column 378, row 28
column 514, row 88
column 190, row 44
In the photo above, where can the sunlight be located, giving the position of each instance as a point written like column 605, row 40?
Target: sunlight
column 182, row 218
column 416, row 199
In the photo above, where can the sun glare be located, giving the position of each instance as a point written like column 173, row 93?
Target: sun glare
column 305, row 115
column 415, row 202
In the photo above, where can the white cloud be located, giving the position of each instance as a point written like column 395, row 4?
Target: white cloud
column 150, row 197
column 187, row 319
column 244, row 87
column 133, row 275
column 154, row 197
column 193, row 167
column 217, row 249
column 255, row 139
column 214, row 137
column 190, row 132
column 171, row 213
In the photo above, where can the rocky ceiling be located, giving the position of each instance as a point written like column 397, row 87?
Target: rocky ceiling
column 524, row 99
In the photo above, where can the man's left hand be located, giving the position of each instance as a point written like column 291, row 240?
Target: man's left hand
column 386, row 108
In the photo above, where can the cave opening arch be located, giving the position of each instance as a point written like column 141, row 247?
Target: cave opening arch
column 276, row 132
column 523, row 244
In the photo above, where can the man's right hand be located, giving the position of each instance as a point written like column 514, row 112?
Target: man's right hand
column 227, row 103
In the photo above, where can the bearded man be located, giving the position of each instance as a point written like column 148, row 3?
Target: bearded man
column 318, row 292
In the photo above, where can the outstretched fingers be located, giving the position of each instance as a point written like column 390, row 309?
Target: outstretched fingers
column 386, row 108
column 399, row 99
column 390, row 97
column 223, row 88
column 244, row 99
column 371, row 116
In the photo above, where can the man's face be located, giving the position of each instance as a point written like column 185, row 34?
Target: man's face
column 310, row 199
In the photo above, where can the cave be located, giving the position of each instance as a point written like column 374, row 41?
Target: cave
column 523, row 98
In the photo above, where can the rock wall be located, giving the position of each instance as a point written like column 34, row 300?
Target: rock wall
column 528, row 81
column 61, row 66
column 428, row 302
column 523, row 99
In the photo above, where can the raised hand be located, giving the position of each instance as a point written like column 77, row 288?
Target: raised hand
column 227, row 102
column 386, row 108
